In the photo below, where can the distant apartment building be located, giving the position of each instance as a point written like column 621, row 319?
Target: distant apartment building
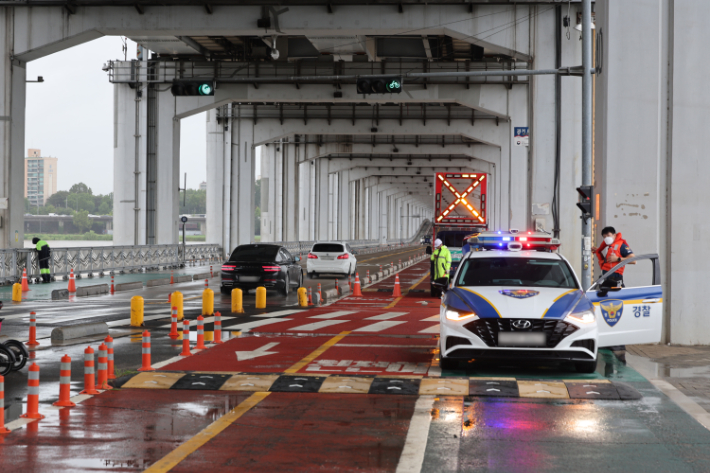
column 40, row 177
column 203, row 186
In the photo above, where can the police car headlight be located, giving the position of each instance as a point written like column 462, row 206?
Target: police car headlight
column 586, row 317
column 453, row 314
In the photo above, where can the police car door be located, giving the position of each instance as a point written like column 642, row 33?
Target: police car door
column 633, row 314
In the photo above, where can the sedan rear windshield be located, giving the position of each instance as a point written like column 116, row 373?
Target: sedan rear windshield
column 516, row 272
column 327, row 248
column 254, row 253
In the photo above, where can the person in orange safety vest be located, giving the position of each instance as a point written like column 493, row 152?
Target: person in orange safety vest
column 617, row 251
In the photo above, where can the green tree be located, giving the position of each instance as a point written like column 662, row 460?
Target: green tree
column 195, row 202
column 82, row 221
column 104, row 208
column 58, row 199
column 80, row 188
column 81, row 202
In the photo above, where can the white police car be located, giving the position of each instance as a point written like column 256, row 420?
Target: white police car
column 515, row 298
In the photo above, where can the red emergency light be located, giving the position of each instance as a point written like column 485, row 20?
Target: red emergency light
column 447, row 210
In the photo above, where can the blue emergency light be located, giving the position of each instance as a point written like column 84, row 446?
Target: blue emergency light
column 514, row 240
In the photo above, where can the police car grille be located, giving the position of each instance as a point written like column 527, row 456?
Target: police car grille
column 487, row 329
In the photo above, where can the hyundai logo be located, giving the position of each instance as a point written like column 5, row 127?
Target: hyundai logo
column 522, row 324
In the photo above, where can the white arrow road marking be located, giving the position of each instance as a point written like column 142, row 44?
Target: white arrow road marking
column 593, row 392
column 394, row 387
column 247, row 384
column 543, row 391
column 154, row 382
column 348, row 387
column 262, row 351
column 448, row 389
column 295, row 385
column 493, row 389
column 199, row 382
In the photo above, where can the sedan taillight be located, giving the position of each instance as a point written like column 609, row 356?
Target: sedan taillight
column 271, row 269
column 312, row 256
column 228, row 267
column 343, row 256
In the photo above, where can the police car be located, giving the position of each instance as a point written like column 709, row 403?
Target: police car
column 514, row 297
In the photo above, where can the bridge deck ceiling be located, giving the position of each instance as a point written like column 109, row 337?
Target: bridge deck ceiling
column 381, row 139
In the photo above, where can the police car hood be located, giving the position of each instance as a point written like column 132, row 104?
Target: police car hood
column 515, row 302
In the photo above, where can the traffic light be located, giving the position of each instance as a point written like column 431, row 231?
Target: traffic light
column 379, row 85
column 585, row 202
column 192, row 87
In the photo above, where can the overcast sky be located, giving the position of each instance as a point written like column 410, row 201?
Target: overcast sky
column 70, row 117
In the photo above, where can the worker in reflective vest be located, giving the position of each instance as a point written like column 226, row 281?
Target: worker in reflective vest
column 617, row 251
column 44, row 255
column 442, row 262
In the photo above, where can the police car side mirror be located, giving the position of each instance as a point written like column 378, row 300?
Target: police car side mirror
column 428, row 250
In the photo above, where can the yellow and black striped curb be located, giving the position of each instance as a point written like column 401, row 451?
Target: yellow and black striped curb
column 382, row 384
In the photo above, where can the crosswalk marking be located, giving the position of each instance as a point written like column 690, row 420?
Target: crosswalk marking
column 278, row 313
column 386, row 316
column 433, row 318
column 432, row 329
column 245, row 327
column 378, row 327
column 332, row 315
column 317, row 325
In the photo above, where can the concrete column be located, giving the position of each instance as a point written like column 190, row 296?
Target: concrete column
column 307, row 199
column 215, row 177
column 12, row 138
column 290, row 210
column 332, row 207
column 278, row 192
column 268, row 174
column 242, row 180
column 343, row 203
column 362, row 210
column 517, row 162
column 167, row 176
column 323, row 200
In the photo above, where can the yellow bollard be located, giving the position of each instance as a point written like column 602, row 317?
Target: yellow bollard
column 237, row 307
column 302, row 297
column 209, row 336
column 17, row 292
column 261, row 298
column 136, row 311
column 208, row 302
column 176, row 301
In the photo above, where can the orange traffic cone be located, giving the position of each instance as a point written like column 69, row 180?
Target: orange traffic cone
column 356, row 286
column 72, row 283
column 25, row 286
column 397, row 292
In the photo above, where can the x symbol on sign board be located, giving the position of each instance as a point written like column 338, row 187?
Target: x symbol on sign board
column 461, row 198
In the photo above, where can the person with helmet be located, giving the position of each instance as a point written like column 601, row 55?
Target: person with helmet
column 43, row 251
column 617, row 251
column 441, row 257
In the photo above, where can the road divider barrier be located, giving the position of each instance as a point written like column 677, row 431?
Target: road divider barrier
column 302, row 297
column 110, row 374
column 217, row 327
column 158, row 282
column 16, row 292
column 96, row 290
column 25, row 285
column 173, row 325
column 33, row 331
column 102, row 382
column 185, row 338
column 72, row 332
column 136, row 311
column 261, row 297
column 89, row 374
column 176, row 301
column 237, row 301
column 145, row 352
column 33, row 394
column 60, row 295
column 316, row 299
column 3, row 429
column 72, row 282
column 356, row 290
column 128, row 286
column 65, row 383
column 208, row 302
column 200, row 333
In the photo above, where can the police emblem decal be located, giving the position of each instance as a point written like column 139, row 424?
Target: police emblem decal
column 612, row 309
column 519, row 293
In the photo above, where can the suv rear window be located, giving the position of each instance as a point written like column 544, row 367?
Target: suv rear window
column 327, row 248
column 532, row 272
column 254, row 253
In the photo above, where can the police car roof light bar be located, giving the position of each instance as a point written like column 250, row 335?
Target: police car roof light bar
column 514, row 241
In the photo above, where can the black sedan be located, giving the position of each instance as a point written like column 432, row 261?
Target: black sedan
column 271, row 266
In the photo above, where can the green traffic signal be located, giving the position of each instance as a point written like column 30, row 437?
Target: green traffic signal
column 205, row 89
column 394, row 86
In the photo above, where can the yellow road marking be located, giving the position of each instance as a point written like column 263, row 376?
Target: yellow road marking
column 418, row 282
column 172, row 459
column 315, row 354
column 394, row 302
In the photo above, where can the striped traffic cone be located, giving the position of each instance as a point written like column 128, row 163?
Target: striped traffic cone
column 310, row 297
column 102, row 381
column 356, row 287
column 3, row 429
column 25, row 286
column 109, row 355
column 33, row 331
column 145, row 351
column 217, row 327
column 396, row 292
column 89, row 373
column 173, row 325
column 185, row 338
column 72, row 282
column 65, row 383
column 33, row 394
column 200, row 333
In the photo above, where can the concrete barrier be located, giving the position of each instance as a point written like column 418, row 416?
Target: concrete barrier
column 60, row 294
column 179, row 279
column 83, row 291
column 71, row 332
column 128, row 286
column 157, row 282
column 345, row 289
column 379, row 275
column 329, row 294
column 198, row 276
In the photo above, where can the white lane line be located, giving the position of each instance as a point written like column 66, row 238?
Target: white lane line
column 278, row 313
column 433, row 318
column 119, row 323
column 368, row 345
column 433, row 329
column 247, row 326
column 386, row 316
column 332, row 315
column 412, row 457
column 193, row 323
column 317, row 325
column 378, row 327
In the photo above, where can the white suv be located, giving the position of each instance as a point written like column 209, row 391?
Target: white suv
column 331, row 257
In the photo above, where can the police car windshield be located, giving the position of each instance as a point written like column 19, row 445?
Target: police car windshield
column 516, row 272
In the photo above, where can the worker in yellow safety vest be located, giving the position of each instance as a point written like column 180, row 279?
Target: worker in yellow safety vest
column 441, row 257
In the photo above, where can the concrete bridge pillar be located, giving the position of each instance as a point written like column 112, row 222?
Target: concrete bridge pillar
column 268, row 187
column 216, row 142
column 343, row 203
column 241, row 202
column 307, row 198
column 290, row 181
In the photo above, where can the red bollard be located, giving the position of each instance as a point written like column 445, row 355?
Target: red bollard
column 33, row 331
column 112, row 288
column 33, row 394
column 368, row 277
column 145, row 350
column 65, row 383
column 185, row 338
column 207, row 283
column 217, row 327
column 173, row 325
column 102, row 382
column 337, row 289
column 310, row 297
column 172, row 279
column 211, row 275
column 109, row 352
column 89, row 375
column 3, row 429
column 320, row 296
column 200, row 333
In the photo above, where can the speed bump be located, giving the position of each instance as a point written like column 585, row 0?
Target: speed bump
column 343, row 384
column 249, row 382
column 399, row 385
column 592, row 389
column 543, row 389
column 297, row 384
column 159, row 380
column 500, row 387
column 205, row 381
column 444, row 386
